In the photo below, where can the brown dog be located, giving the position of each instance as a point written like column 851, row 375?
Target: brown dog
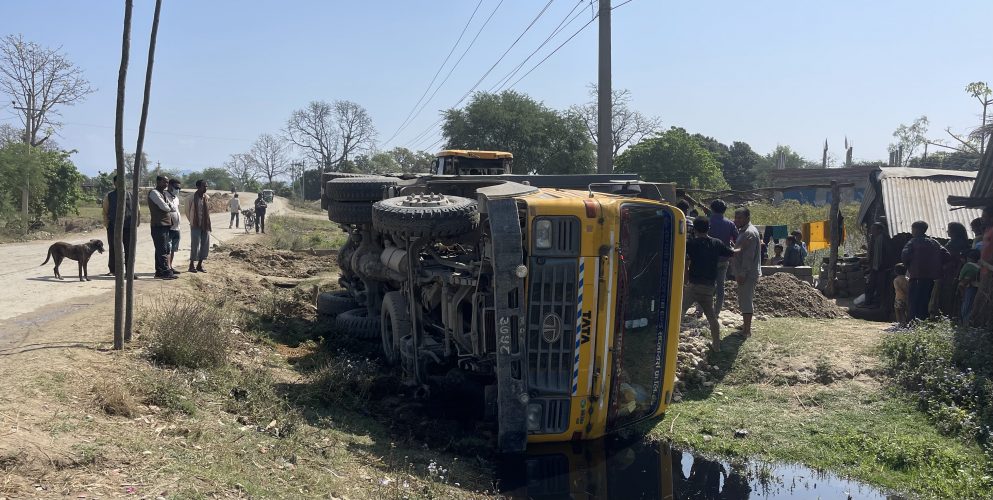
column 79, row 253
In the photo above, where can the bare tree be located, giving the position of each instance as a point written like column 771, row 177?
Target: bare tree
column 355, row 130
column 982, row 92
column 313, row 129
column 627, row 126
column 39, row 80
column 270, row 154
column 242, row 168
column 331, row 132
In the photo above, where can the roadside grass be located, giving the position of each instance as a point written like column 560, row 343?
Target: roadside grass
column 301, row 233
column 308, row 206
column 813, row 392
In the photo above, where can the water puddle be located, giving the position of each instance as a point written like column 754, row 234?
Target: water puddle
column 619, row 469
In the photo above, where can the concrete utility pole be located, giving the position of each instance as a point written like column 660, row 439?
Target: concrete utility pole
column 605, row 142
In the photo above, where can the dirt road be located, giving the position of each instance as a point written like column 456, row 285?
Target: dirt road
column 29, row 287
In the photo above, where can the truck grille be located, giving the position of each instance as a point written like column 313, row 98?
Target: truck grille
column 551, row 324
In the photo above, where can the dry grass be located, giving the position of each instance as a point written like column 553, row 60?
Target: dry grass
column 186, row 332
column 114, row 399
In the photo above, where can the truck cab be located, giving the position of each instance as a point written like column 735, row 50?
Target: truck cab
column 471, row 162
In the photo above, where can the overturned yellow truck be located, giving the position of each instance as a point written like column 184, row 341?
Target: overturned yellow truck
column 556, row 299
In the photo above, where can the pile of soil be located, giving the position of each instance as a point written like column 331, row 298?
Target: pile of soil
column 783, row 295
column 282, row 263
column 693, row 366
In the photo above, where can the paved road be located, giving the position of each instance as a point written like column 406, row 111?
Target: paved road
column 27, row 286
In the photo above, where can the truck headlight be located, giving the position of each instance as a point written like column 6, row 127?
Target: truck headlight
column 543, row 234
column 534, row 417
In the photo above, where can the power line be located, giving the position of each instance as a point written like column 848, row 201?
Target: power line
column 456, row 65
column 567, row 40
column 620, row 5
column 494, row 65
column 436, row 73
column 566, row 21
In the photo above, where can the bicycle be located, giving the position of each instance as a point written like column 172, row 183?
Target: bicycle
column 249, row 219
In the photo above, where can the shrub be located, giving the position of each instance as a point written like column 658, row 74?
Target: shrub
column 169, row 391
column 948, row 370
column 114, row 399
column 187, row 332
column 345, row 379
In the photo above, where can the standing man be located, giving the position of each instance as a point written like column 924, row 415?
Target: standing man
column 725, row 232
column 234, row 206
column 798, row 236
column 704, row 253
column 747, row 265
column 109, row 211
column 924, row 258
column 161, row 215
column 198, row 211
column 173, row 193
column 260, row 207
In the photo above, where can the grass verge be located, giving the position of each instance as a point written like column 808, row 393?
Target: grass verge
column 302, row 233
column 814, row 392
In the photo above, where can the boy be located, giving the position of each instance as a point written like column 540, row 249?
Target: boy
column 969, row 282
column 776, row 260
column 901, row 290
column 793, row 256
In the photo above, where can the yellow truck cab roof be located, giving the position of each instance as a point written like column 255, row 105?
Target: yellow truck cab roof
column 469, row 153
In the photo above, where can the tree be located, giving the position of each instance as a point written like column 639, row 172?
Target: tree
column 909, row 138
column 376, row 163
column 22, row 175
column 626, row 125
column 10, row 135
column 216, row 177
column 411, row 162
column 542, row 140
column 739, row 170
column 781, row 158
column 40, row 80
column 129, row 165
column 982, row 92
column 242, row 169
column 673, row 156
column 118, row 243
column 271, row 156
column 311, row 184
column 62, row 185
column 331, row 132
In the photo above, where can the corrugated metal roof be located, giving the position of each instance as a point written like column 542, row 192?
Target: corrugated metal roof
column 983, row 188
column 907, row 199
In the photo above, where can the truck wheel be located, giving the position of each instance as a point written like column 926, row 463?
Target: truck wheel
column 358, row 188
column 334, row 303
column 394, row 325
column 358, row 323
column 345, row 212
column 426, row 216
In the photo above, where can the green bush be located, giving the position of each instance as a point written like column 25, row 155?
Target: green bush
column 186, row 332
column 948, row 369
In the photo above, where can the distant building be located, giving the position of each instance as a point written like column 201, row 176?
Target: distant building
column 859, row 176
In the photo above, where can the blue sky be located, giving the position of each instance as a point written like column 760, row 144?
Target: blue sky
column 765, row 72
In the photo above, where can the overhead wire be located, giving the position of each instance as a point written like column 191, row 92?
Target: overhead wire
column 566, row 21
column 436, row 73
column 457, row 62
column 488, row 71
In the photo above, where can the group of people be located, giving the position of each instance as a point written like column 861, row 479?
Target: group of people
column 165, row 214
column 931, row 278
column 716, row 247
column 792, row 254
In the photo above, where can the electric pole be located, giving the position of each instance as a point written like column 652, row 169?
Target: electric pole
column 605, row 142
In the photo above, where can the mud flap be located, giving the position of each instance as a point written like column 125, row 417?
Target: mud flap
column 508, row 291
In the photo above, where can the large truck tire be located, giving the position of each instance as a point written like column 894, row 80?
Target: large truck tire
column 358, row 188
column 331, row 304
column 350, row 212
column 328, row 177
column 358, row 323
column 426, row 216
column 394, row 325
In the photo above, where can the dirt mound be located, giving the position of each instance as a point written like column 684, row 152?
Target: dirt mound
column 282, row 263
column 783, row 295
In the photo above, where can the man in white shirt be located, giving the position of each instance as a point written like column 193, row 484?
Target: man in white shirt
column 234, row 206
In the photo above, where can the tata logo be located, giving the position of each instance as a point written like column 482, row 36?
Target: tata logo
column 586, row 324
column 551, row 328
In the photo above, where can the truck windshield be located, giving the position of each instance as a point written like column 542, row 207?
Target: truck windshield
column 643, row 291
